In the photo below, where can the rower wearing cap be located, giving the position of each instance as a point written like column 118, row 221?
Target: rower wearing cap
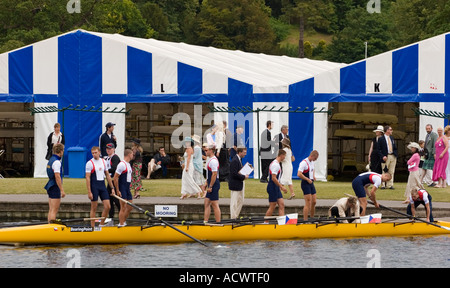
column 107, row 137
column 361, row 184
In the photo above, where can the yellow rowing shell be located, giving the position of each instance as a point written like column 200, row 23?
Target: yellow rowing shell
column 61, row 234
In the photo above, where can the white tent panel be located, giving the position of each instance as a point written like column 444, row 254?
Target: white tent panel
column 4, row 82
column 431, row 65
column 119, row 129
column 320, row 142
column 45, row 67
column 434, row 121
column 328, row 82
column 43, row 125
column 215, row 83
column 114, row 67
column 278, row 119
column 165, row 76
column 379, row 74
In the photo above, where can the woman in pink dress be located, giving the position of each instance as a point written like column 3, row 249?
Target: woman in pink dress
column 440, row 163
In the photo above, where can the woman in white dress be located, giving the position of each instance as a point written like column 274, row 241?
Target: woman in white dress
column 188, row 186
column 198, row 165
column 286, row 164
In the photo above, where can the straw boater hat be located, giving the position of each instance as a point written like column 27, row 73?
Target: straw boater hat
column 197, row 139
column 379, row 129
column 413, row 145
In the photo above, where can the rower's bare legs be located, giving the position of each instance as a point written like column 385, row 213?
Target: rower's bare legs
column 363, row 204
column 216, row 208
column 124, row 212
column 53, row 205
column 310, row 206
column 93, row 212
column 105, row 212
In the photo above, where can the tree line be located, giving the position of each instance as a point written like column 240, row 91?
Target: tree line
column 257, row 26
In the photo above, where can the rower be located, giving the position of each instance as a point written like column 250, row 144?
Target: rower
column 345, row 207
column 122, row 182
column 361, row 187
column 274, row 187
column 212, row 186
column 54, row 185
column 420, row 196
column 95, row 182
column 307, row 174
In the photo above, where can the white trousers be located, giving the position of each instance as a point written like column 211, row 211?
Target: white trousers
column 236, row 202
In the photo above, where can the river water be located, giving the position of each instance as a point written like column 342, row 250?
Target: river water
column 382, row 252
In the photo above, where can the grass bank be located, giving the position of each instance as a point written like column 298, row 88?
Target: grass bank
column 253, row 189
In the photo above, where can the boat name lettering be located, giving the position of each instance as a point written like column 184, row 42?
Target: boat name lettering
column 81, row 229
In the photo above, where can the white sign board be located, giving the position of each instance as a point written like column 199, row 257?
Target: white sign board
column 166, row 210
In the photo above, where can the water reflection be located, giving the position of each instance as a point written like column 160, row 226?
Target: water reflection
column 393, row 252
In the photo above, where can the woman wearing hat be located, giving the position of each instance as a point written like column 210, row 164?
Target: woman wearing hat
column 375, row 156
column 188, row 186
column 413, row 168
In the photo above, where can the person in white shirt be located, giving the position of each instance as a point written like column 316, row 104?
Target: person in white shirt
column 54, row 185
column 420, row 196
column 122, row 182
column 274, row 187
column 96, row 172
column 306, row 172
column 212, row 186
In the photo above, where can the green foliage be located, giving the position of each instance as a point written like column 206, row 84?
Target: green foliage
column 249, row 25
column 234, row 24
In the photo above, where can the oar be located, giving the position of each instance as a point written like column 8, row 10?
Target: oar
column 147, row 213
column 409, row 216
column 56, row 221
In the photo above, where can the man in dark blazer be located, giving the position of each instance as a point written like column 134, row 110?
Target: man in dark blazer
column 266, row 152
column 388, row 149
column 236, row 183
column 280, row 137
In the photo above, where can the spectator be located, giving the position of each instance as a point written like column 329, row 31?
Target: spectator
column 56, row 137
column 107, row 137
column 429, row 152
column 160, row 161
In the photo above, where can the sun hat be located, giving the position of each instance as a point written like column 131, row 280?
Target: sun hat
column 379, row 129
column 413, row 145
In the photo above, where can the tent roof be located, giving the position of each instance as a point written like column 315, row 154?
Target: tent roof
column 415, row 69
column 261, row 70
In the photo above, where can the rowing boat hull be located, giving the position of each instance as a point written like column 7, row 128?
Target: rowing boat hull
column 61, row 234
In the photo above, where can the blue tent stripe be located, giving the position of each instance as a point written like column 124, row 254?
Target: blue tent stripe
column 353, row 78
column 139, row 67
column 405, row 70
column 190, row 79
column 21, row 71
column 80, row 83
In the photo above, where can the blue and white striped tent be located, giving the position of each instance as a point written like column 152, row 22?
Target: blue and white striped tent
column 96, row 69
column 417, row 73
